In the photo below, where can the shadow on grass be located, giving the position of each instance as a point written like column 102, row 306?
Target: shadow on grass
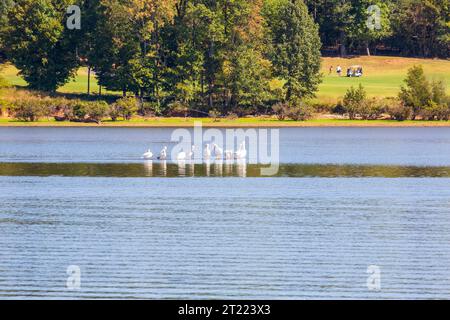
column 110, row 98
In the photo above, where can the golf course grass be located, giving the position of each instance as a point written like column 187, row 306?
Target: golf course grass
column 78, row 85
column 383, row 76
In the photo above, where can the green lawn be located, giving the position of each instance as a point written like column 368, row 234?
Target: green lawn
column 78, row 85
column 383, row 76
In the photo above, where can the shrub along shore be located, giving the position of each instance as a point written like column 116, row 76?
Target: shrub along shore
column 420, row 102
column 248, row 122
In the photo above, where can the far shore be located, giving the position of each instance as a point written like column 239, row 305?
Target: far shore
column 253, row 122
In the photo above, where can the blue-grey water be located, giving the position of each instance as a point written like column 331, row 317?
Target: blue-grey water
column 400, row 146
column 346, row 199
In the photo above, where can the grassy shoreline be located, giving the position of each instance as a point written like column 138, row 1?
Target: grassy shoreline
column 253, row 122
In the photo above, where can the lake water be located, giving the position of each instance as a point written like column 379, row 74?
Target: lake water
column 344, row 199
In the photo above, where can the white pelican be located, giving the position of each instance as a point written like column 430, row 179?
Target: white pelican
column 163, row 154
column 218, row 152
column 181, row 156
column 148, row 155
column 242, row 152
column 207, row 153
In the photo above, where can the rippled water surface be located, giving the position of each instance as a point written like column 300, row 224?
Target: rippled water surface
column 343, row 200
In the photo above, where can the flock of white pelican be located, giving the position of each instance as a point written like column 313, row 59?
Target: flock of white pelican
column 210, row 152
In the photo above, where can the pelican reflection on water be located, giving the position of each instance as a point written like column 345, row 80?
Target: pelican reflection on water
column 181, row 168
column 148, row 165
column 192, row 168
column 208, row 168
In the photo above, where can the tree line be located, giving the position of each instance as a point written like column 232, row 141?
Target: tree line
column 220, row 56
column 418, row 28
column 212, row 54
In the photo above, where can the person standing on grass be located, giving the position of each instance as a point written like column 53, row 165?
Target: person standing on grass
column 331, row 70
column 339, row 70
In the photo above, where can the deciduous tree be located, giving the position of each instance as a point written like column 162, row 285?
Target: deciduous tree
column 37, row 41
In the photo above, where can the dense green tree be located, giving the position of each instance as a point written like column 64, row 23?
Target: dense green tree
column 417, row 93
column 148, row 19
column 422, row 27
column 334, row 18
column 246, row 72
column 296, row 55
column 126, row 44
column 354, row 101
column 216, row 54
column 370, row 23
column 112, row 45
column 5, row 6
column 195, row 44
column 413, row 27
column 39, row 44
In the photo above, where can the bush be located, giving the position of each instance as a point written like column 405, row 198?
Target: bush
column 295, row 110
column 79, row 110
column 339, row 109
column 244, row 111
column 232, row 116
column 151, row 109
column 64, row 110
column 178, row 109
column 125, row 107
column 438, row 92
column 436, row 111
column 300, row 111
column 356, row 104
column 47, row 106
column 324, row 107
column 4, row 105
column 417, row 93
column 438, row 108
column 31, row 108
column 354, row 101
column 114, row 112
column 281, row 110
column 89, row 111
column 214, row 114
column 396, row 109
column 27, row 109
column 371, row 109
column 97, row 110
